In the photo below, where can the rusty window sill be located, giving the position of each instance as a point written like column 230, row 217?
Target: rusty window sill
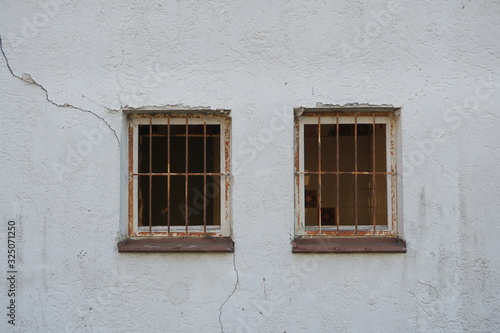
column 222, row 244
column 349, row 245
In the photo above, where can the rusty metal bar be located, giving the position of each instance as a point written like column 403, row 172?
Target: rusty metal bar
column 326, row 173
column 360, row 232
column 150, row 171
column 186, row 216
column 190, row 135
column 168, row 175
column 374, row 186
column 356, row 174
column 204, row 174
column 191, row 174
column 337, row 217
column 319, row 175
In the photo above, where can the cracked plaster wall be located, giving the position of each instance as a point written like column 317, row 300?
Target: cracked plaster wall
column 69, row 68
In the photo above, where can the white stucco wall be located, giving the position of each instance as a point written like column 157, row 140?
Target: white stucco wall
column 60, row 161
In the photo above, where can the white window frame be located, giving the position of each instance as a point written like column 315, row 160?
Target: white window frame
column 346, row 115
column 217, row 117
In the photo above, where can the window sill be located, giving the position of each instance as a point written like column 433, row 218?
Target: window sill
column 349, row 245
column 225, row 244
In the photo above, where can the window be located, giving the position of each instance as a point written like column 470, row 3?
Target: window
column 178, row 182
column 345, row 177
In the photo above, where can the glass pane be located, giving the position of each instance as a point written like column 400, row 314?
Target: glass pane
column 380, row 148
column 329, row 199
column 143, row 200
column 196, row 200
column 329, row 147
column 364, row 148
column 213, row 149
column 346, row 200
column 143, row 146
column 178, row 148
column 346, row 147
column 380, row 199
column 310, row 147
column 157, row 202
column 213, row 196
column 311, row 200
column 365, row 211
column 177, row 200
column 159, row 145
column 196, row 148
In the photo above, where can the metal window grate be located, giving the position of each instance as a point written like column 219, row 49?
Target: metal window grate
column 178, row 172
column 345, row 173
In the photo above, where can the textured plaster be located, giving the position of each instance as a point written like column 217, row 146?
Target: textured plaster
column 67, row 71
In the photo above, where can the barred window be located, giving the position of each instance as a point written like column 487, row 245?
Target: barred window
column 346, row 180
column 178, row 181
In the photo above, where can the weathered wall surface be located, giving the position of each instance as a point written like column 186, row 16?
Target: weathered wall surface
column 60, row 162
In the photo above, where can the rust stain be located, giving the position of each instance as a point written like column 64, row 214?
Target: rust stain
column 130, row 178
column 227, row 167
column 297, row 170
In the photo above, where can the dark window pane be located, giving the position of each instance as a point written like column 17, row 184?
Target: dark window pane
column 328, row 199
column 143, row 162
column 365, row 211
column 346, row 147
column 197, row 152
column 178, row 148
column 157, row 201
column 177, row 200
column 380, row 148
column 346, row 200
column 159, row 160
column 153, row 202
column 310, row 147
column 204, row 204
column 364, row 147
column 311, row 202
column 329, row 147
column 143, row 200
column 380, row 202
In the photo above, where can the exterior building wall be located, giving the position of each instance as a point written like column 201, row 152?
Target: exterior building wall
column 67, row 71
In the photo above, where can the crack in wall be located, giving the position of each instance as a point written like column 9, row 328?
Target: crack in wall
column 28, row 79
column 231, row 294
